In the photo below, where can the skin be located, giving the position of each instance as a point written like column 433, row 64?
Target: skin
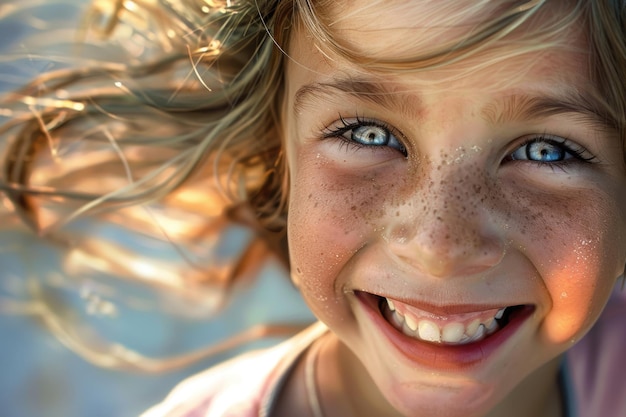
column 451, row 221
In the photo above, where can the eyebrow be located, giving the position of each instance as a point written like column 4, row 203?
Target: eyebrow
column 525, row 107
column 364, row 90
column 517, row 107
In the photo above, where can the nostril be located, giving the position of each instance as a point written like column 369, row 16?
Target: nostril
column 447, row 254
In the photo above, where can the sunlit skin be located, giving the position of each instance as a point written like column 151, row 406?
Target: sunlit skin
column 452, row 215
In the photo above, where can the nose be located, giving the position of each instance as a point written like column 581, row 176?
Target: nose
column 448, row 227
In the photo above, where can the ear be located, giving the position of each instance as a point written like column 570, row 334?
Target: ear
column 295, row 279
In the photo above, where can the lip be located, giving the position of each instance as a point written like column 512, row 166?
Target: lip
column 441, row 356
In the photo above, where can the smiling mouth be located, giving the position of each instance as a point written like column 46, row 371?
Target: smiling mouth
column 449, row 330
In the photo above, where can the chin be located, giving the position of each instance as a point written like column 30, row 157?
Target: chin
column 435, row 398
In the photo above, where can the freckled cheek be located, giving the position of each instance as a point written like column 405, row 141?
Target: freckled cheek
column 578, row 249
column 332, row 214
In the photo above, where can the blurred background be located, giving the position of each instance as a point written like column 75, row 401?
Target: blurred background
column 43, row 378
column 77, row 340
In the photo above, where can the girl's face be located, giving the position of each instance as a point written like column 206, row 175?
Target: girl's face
column 456, row 228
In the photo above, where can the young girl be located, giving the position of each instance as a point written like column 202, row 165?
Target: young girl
column 454, row 176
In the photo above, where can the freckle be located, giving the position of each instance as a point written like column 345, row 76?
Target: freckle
column 353, row 208
column 315, row 205
column 310, row 196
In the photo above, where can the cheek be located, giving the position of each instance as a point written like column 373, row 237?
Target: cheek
column 331, row 216
column 576, row 243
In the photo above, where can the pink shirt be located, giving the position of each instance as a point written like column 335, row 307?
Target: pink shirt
column 595, row 368
column 245, row 386
column 594, row 375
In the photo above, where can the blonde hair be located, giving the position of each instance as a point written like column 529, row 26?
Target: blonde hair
column 180, row 92
column 216, row 77
column 161, row 121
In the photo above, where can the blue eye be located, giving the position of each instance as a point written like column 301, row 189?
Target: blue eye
column 545, row 150
column 366, row 134
column 540, row 151
column 371, row 135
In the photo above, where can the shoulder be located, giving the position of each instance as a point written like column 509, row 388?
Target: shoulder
column 595, row 364
column 241, row 387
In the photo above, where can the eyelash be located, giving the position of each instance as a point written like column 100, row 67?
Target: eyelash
column 577, row 152
column 346, row 126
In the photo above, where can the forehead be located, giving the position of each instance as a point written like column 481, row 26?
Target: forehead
column 540, row 52
column 399, row 29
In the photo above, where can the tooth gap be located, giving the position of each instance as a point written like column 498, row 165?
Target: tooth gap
column 507, row 315
column 382, row 304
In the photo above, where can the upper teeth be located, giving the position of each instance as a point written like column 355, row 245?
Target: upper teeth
column 452, row 332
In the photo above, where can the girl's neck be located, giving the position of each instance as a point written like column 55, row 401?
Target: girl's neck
column 345, row 389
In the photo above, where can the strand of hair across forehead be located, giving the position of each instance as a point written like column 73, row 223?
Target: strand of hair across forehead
column 312, row 16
